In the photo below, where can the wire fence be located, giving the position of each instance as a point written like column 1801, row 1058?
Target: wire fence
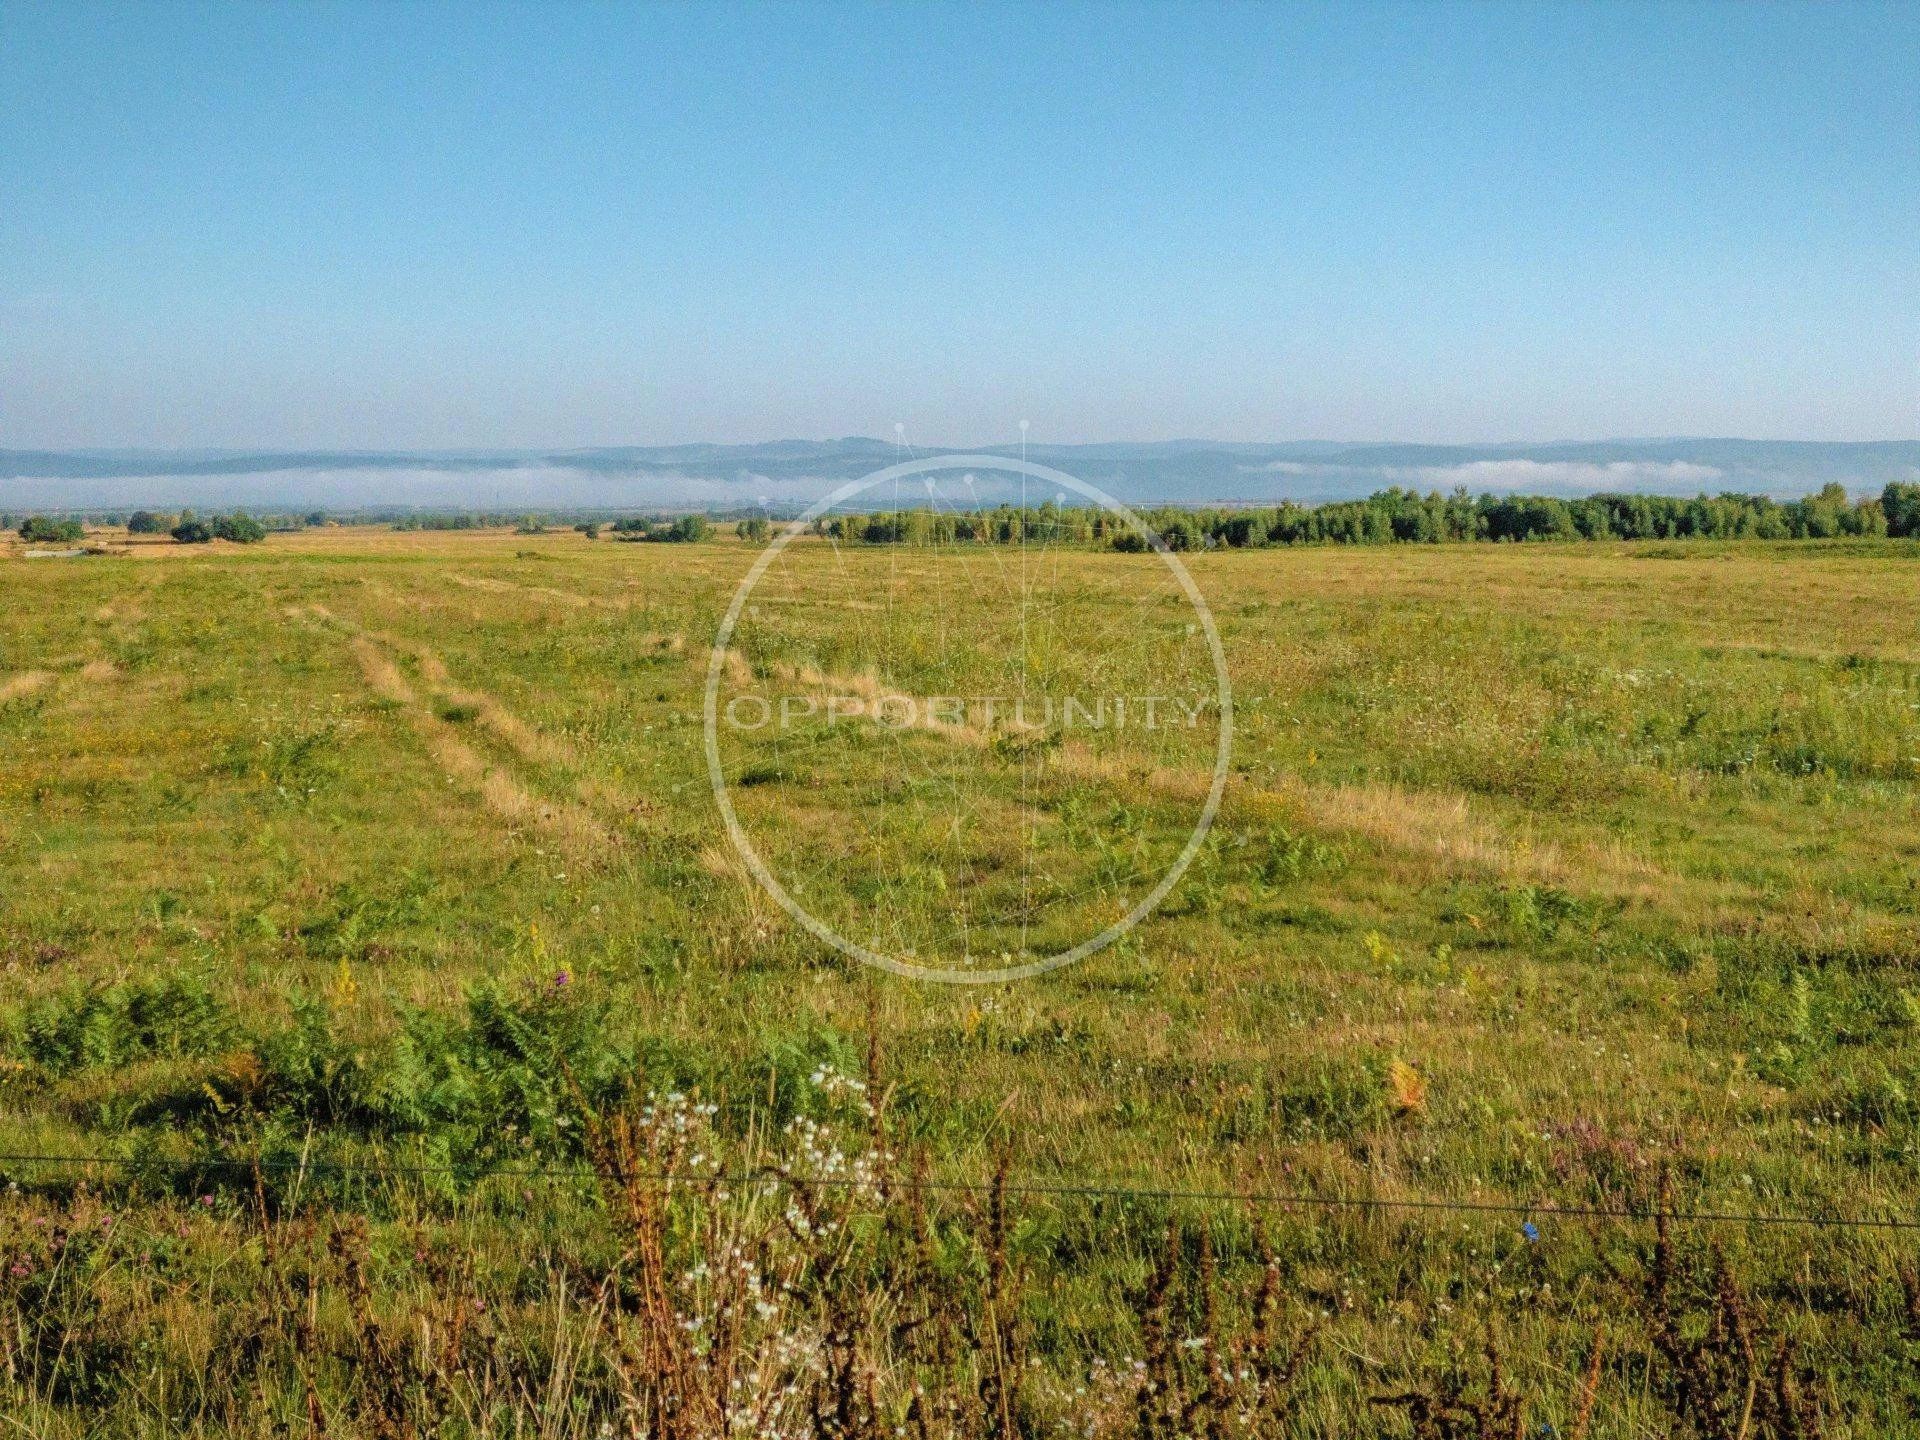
column 1037, row 1189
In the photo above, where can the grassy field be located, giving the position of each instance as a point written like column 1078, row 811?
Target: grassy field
column 1543, row 873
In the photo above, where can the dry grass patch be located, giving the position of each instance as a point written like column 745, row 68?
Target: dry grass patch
column 18, row 686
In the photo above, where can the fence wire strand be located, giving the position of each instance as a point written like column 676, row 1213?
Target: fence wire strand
column 1037, row 1189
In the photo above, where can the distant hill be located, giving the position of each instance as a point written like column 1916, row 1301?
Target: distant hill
column 790, row 473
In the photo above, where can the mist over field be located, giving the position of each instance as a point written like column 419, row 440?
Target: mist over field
column 793, row 473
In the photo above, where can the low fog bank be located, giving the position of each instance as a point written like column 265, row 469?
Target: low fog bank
column 789, row 475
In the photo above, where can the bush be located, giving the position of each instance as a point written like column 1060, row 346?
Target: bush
column 145, row 522
column 687, row 528
column 238, row 528
column 42, row 530
column 1901, row 504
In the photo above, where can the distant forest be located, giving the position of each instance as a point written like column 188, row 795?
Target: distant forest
column 1387, row 517
column 1399, row 516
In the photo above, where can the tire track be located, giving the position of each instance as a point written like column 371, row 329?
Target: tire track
column 533, row 746
column 498, row 787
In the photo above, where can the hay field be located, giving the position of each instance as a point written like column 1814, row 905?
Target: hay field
column 1542, row 872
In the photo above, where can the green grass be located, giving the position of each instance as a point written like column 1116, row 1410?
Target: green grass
column 385, row 849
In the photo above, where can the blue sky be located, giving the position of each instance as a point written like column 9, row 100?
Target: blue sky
column 441, row 226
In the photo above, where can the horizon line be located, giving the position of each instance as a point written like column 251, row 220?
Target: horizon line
column 563, row 448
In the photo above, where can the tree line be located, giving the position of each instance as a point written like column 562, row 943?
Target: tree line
column 1400, row 516
column 1392, row 516
column 187, row 528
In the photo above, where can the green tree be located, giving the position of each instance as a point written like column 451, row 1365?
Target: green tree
column 239, row 528
column 191, row 530
column 145, row 522
column 44, row 530
column 1901, row 503
column 1180, row 534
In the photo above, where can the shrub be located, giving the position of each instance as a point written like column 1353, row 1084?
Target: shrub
column 238, row 528
column 687, row 528
column 145, row 522
column 42, row 530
